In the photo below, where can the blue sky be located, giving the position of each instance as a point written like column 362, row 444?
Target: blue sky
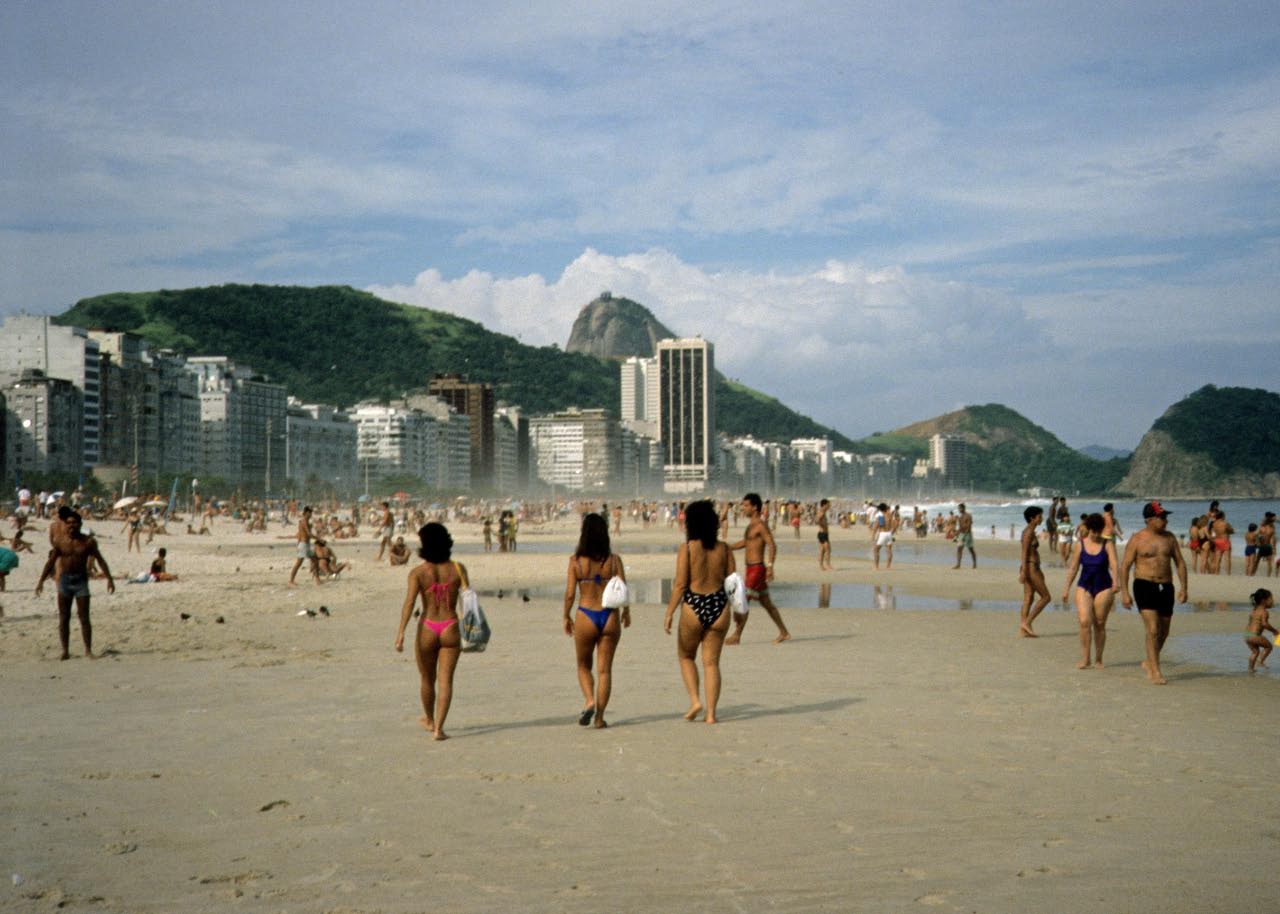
column 878, row 212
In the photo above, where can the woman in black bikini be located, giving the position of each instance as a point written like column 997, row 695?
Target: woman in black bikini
column 437, row 581
column 594, row 630
column 702, row 564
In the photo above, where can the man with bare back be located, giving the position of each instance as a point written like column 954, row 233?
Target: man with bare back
column 1153, row 552
column 756, row 541
column 964, row 537
column 70, row 556
column 306, row 553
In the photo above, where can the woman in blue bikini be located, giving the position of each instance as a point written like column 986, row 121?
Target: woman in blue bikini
column 437, row 581
column 1095, row 559
column 702, row 564
column 595, row 630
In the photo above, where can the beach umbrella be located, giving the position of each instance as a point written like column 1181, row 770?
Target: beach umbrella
column 126, row 501
column 402, row 496
column 155, row 503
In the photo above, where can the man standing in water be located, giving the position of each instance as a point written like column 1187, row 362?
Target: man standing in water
column 756, row 541
column 964, row 537
column 1153, row 550
column 824, row 536
column 70, row 554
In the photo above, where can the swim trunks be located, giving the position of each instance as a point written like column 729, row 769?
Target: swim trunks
column 1264, row 551
column 1222, row 543
column 1154, row 595
column 964, row 540
column 757, row 581
column 73, row 585
column 884, row 538
column 824, row 537
column 1250, row 550
column 305, row 551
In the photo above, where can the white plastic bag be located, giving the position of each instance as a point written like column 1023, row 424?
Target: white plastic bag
column 736, row 591
column 615, row 594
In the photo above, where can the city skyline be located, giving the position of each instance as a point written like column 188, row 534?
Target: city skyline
column 1066, row 209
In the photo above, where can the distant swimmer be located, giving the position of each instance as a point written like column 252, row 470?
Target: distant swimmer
column 964, row 537
column 757, row 541
column 70, row 556
column 1152, row 553
column 1029, row 573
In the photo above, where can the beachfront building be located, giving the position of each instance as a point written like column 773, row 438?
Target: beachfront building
column 242, row 424
column 744, row 464
column 821, row 450
column 638, row 456
column 44, row 419
column 320, row 446
column 69, row 353
column 577, row 450
column 949, row 455
column 417, row 436
column 476, row 402
column 686, row 413
column 511, row 449
column 639, row 386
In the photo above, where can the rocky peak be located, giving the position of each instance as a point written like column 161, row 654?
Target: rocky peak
column 616, row 328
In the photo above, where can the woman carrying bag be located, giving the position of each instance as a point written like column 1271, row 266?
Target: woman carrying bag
column 594, row 573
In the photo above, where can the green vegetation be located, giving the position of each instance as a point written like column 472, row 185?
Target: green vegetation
column 1236, row 427
column 337, row 345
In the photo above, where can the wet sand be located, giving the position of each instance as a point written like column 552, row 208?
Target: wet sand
column 884, row 760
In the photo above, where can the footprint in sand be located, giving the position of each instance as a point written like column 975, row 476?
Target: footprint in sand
column 933, row 899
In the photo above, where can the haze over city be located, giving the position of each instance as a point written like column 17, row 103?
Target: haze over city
column 878, row 213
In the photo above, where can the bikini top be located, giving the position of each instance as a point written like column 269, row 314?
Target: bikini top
column 440, row 589
column 594, row 578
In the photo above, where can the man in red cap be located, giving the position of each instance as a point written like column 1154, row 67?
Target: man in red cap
column 1154, row 551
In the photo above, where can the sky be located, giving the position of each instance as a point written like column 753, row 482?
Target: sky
column 876, row 212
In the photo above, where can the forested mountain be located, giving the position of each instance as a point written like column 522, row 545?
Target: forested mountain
column 1217, row 441
column 334, row 344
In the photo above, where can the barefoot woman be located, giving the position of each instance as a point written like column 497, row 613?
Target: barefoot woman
column 1095, row 559
column 701, row 566
column 595, row 631
column 437, row 581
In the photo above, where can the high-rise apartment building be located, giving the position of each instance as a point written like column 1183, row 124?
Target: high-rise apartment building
column 639, row 412
column 475, row 401
column 44, row 418
column 419, row 436
column 34, row 341
column 242, row 424
column 577, row 450
column 950, row 457
column 687, row 413
column 320, row 446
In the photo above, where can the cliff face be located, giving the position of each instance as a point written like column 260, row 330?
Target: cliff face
column 614, row 328
column 1159, row 468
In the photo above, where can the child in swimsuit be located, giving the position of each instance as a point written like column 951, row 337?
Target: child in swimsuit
column 698, row 591
column 1259, row 622
column 595, row 630
column 438, row 643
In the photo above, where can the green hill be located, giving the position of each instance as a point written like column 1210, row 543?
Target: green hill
column 1008, row 451
column 334, row 344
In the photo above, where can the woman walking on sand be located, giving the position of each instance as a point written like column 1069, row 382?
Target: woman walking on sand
column 595, row 631
column 1095, row 559
column 702, row 564
column 438, row 642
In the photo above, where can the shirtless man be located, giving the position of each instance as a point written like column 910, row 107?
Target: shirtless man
column 399, row 554
column 1154, row 551
column 327, row 561
column 883, row 527
column 70, row 555
column 386, row 528
column 964, row 538
column 757, row 540
column 1029, row 574
column 1267, row 542
column 824, row 536
column 305, row 551
column 1220, row 542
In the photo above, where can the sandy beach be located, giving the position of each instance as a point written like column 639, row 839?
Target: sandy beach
column 900, row 759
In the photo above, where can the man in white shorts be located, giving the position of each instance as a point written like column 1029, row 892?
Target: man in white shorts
column 883, row 526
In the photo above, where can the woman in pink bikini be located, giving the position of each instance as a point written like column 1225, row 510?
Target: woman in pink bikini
column 437, row 581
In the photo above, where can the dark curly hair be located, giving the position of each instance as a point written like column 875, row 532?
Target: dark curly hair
column 437, row 544
column 701, row 523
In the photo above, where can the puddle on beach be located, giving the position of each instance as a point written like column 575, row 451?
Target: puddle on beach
column 1225, row 653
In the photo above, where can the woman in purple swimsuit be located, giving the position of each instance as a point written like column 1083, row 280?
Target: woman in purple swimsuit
column 595, row 630
column 1095, row 559
column 437, row 581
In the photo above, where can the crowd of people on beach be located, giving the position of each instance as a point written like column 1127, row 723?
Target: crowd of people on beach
column 709, row 601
